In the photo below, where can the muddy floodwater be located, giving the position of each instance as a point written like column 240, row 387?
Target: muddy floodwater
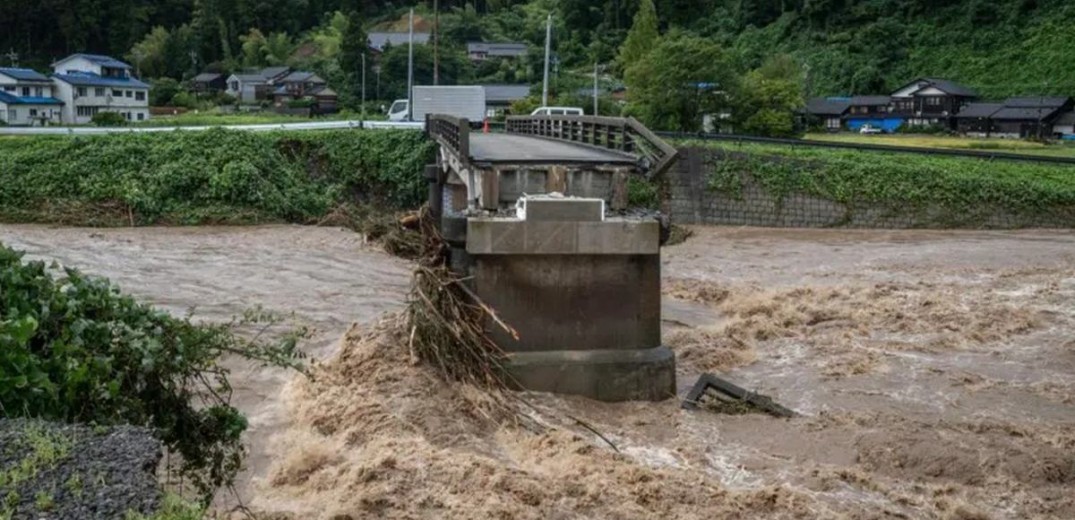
column 933, row 371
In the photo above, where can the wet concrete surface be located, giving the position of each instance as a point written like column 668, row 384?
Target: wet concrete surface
column 913, row 360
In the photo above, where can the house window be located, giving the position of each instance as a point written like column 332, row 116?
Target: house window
column 9, row 88
column 99, row 92
column 26, row 91
column 81, row 91
column 140, row 96
column 117, row 93
column 87, row 111
column 37, row 91
column 141, row 116
column 33, row 112
column 933, row 101
column 130, row 93
column 234, row 85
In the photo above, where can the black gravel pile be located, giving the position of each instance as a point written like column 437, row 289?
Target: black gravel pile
column 58, row 471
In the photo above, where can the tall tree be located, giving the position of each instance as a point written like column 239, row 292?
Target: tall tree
column 354, row 45
column 642, row 36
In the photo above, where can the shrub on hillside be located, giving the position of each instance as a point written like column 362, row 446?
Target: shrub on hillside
column 72, row 348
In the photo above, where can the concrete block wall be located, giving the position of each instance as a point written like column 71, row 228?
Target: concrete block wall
column 691, row 201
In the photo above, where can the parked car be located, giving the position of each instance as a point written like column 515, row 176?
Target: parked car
column 557, row 111
column 869, row 129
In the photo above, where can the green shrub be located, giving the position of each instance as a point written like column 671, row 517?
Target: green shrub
column 108, row 119
column 208, row 177
column 72, row 348
column 301, row 103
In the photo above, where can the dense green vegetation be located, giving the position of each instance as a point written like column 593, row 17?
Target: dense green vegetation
column 216, row 176
column 958, row 190
column 72, row 348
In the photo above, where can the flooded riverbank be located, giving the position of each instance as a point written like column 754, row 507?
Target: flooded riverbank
column 935, row 372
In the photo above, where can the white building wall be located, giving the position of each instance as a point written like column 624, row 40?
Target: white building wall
column 76, row 63
column 27, row 115
column 81, row 102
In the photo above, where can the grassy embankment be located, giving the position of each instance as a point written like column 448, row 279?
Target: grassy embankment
column 214, row 177
column 956, row 191
column 952, row 143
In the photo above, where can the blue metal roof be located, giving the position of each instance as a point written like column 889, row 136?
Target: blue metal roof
column 88, row 79
column 23, row 74
column 100, row 59
column 28, row 100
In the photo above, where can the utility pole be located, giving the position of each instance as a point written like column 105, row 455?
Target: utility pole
column 548, row 45
column 363, row 87
column 14, row 57
column 436, row 37
column 410, row 68
column 595, row 110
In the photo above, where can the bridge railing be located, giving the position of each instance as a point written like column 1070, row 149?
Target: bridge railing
column 614, row 133
column 450, row 132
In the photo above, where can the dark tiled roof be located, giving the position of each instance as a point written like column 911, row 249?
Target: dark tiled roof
column 88, row 79
column 976, row 110
column 100, row 59
column 206, row 77
column 1035, row 101
column 300, row 76
column 510, row 49
column 870, row 100
column 951, row 87
column 23, row 74
column 273, row 72
column 1024, row 113
column 505, row 93
column 378, row 40
column 28, row 100
column 250, row 78
column 827, row 107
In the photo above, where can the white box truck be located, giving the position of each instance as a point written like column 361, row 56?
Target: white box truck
column 466, row 101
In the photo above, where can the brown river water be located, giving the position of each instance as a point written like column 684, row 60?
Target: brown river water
column 934, row 372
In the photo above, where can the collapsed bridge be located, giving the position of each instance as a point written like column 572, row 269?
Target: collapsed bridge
column 539, row 220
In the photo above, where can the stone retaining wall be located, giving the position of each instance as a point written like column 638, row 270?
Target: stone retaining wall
column 690, row 200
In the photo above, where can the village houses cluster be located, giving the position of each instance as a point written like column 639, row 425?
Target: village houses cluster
column 947, row 105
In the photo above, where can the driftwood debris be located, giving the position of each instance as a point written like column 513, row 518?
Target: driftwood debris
column 731, row 398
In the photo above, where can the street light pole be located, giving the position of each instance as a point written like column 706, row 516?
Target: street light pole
column 548, row 45
column 363, row 87
column 595, row 110
column 436, row 38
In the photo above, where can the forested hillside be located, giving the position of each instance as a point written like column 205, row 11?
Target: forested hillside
column 1000, row 47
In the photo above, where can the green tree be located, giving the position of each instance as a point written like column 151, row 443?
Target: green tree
column 642, row 36
column 355, row 44
column 252, row 43
column 277, row 48
column 768, row 97
column 150, row 56
column 681, row 79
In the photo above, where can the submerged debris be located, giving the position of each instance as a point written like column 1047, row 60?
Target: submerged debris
column 731, row 399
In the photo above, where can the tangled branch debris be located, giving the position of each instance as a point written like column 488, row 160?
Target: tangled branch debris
column 447, row 321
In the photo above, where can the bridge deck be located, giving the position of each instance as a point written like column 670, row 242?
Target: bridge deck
column 514, row 149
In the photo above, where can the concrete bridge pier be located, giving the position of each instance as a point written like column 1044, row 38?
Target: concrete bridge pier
column 538, row 220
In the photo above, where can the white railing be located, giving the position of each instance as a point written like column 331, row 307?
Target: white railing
column 267, row 127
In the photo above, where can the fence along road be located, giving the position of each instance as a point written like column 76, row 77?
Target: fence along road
column 92, row 130
column 980, row 154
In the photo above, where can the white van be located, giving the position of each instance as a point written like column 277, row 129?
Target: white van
column 557, row 111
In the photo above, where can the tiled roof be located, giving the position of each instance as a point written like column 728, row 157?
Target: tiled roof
column 951, row 87
column 505, row 93
column 1025, row 113
column 100, row 59
column 28, row 100
column 976, row 110
column 870, row 100
column 300, row 76
column 88, row 79
column 206, row 77
column 250, row 78
column 827, row 107
column 23, row 74
column 1035, row 101
column 498, row 49
column 378, row 40
column 273, row 72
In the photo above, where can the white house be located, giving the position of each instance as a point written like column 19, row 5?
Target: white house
column 91, row 83
column 26, row 98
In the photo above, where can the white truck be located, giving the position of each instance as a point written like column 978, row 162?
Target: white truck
column 466, row 101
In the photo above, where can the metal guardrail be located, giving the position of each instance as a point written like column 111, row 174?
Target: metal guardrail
column 980, row 154
column 613, row 133
column 268, row 127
